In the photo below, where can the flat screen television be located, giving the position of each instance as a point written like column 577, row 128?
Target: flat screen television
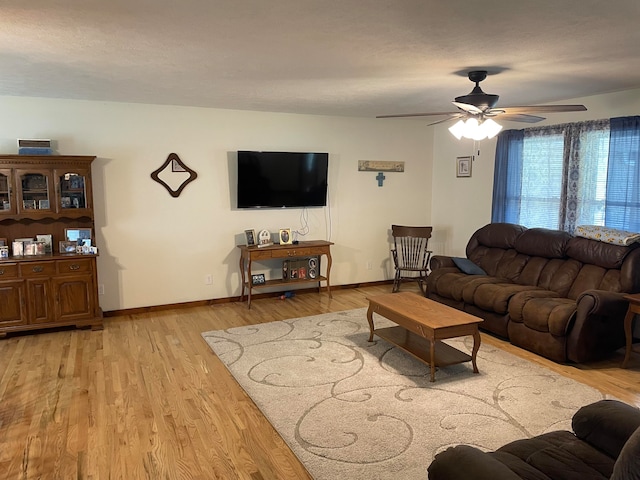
column 282, row 179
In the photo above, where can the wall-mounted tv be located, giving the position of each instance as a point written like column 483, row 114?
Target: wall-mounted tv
column 282, row 179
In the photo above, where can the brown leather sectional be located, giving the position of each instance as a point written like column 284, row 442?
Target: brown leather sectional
column 546, row 291
column 604, row 445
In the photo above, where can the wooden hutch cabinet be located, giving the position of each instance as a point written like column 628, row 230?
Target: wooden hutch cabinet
column 46, row 195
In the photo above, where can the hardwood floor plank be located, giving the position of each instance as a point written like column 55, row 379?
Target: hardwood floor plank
column 146, row 398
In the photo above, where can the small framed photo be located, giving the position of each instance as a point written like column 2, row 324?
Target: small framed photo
column 66, row 246
column 285, row 236
column 258, row 279
column 17, row 249
column 3, row 242
column 29, row 204
column 79, row 235
column 43, row 204
column 48, row 242
column 65, row 202
column 250, row 235
column 463, row 166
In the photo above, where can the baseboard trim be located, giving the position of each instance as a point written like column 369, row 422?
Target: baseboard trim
column 216, row 301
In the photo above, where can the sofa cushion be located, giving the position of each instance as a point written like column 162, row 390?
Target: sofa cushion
column 520, row 299
column 627, row 467
column 497, row 262
column 467, row 266
column 547, row 314
column 606, row 424
column 563, row 277
column 495, row 297
column 541, row 242
column 496, row 235
column 452, row 283
column 597, row 253
column 559, row 455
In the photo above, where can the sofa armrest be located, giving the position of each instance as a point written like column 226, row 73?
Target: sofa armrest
column 441, row 261
column 469, row 463
column 606, row 425
column 602, row 302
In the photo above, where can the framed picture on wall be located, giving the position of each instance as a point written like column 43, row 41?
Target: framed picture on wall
column 463, row 166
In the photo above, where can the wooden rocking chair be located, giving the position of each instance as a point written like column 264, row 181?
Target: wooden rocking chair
column 410, row 255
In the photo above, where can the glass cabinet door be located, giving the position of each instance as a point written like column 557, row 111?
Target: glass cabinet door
column 72, row 188
column 34, row 191
column 7, row 204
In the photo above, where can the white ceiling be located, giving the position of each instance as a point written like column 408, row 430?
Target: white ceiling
column 335, row 57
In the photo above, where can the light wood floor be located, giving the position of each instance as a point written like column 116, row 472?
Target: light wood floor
column 145, row 398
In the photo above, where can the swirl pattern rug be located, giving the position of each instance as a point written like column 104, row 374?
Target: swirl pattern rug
column 354, row 409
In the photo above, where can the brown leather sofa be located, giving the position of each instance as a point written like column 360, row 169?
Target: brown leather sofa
column 546, row 291
column 605, row 445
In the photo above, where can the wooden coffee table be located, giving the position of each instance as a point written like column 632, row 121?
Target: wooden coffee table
column 422, row 324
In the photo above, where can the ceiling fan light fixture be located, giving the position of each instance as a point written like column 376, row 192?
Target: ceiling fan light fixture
column 458, row 129
column 475, row 130
column 490, row 128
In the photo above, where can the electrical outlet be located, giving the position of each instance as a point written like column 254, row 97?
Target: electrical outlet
column 369, row 265
column 208, row 279
column 101, row 289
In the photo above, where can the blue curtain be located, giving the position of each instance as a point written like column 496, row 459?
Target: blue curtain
column 507, row 177
column 622, row 204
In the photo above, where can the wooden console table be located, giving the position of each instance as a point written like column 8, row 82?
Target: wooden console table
column 283, row 252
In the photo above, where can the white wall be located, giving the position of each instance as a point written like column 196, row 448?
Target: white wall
column 462, row 205
column 156, row 249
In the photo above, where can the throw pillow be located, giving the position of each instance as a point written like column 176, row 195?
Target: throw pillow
column 467, row 266
column 627, row 467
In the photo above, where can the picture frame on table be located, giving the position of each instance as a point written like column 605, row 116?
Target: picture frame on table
column 78, row 235
column 250, row 236
column 48, row 242
column 285, row 236
column 463, row 166
column 258, row 279
column 43, row 204
column 66, row 246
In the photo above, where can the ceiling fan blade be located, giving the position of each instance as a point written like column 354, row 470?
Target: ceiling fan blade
column 446, row 119
column 544, row 109
column 400, row 115
column 520, row 117
column 467, row 107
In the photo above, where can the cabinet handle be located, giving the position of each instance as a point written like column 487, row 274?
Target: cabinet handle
column 38, row 269
column 74, row 266
column 1, row 271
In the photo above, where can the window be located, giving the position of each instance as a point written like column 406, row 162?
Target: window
column 561, row 176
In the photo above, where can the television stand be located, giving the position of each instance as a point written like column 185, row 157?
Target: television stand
column 314, row 248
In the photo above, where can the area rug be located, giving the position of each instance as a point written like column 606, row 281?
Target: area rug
column 353, row 409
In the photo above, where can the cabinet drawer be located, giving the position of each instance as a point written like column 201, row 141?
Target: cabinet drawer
column 37, row 269
column 261, row 254
column 299, row 252
column 80, row 265
column 8, row 270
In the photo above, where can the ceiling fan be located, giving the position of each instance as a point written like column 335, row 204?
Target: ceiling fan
column 478, row 108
